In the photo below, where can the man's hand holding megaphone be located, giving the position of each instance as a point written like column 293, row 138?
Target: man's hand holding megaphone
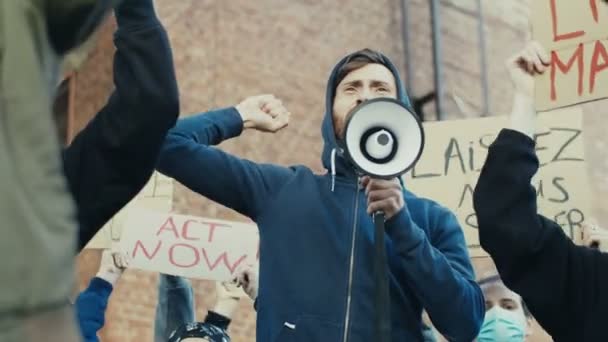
column 383, row 195
column 264, row 113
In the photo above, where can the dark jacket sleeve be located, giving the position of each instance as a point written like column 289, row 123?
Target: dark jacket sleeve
column 91, row 307
column 559, row 281
column 217, row 320
column 110, row 161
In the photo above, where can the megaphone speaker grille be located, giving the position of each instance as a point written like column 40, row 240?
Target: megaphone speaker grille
column 378, row 144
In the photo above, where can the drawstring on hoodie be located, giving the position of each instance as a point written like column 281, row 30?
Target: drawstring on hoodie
column 333, row 168
column 334, row 151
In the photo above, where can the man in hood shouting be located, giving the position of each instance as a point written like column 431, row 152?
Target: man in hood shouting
column 316, row 231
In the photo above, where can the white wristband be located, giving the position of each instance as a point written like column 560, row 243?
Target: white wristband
column 109, row 276
column 523, row 115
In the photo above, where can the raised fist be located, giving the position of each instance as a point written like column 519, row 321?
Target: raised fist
column 264, row 113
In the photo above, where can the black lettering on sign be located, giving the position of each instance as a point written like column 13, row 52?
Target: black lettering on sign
column 573, row 134
column 472, row 154
column 539, row 190
column 453, row 151
column 562, row 190
column 486, row 140
column 471, row 157
column 467, row 189
column 471, row 221
column 557, row 218
column 574, row 218
column 424, row 175
column 538, row 147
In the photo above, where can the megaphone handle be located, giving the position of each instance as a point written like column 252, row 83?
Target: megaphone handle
column 378, row 216
column 382, row 300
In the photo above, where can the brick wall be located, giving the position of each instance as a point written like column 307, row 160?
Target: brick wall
column 227, row 50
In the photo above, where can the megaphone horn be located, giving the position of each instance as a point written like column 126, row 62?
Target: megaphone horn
column 383, row 138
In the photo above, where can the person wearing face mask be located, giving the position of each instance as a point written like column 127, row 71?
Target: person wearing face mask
column 321, row 224
column 507, row 318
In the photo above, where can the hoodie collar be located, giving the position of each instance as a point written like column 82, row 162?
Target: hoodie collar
column 333, row 157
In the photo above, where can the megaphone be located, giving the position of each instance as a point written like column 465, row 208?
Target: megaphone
column 383, row 138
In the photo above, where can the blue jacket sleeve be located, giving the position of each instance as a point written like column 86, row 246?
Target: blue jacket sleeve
column 442, row 276
column 91, row 307
column 189, row 157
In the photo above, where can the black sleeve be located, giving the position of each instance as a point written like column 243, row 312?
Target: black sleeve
column 559, row 281
column 217, row 320
column 110, row 161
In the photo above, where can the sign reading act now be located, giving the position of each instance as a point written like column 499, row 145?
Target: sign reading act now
column 188, row 246
column 574, row 33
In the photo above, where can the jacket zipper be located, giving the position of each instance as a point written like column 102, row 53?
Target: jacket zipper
column 352, row 264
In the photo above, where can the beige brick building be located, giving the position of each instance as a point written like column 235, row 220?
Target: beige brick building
column 227, row 50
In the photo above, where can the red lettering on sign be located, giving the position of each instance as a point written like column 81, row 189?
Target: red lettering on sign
column 172, row 259
column 556, row 36
column 212, row 226
column 170, row 226
column 144, row 250
column 598, row 51
column 565, row 68
column 223, row 257
column 185, row 230
column 593, row 5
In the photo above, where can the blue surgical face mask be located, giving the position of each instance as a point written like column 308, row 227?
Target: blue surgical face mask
column 500, row 325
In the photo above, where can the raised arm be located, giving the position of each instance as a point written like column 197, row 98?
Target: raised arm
column 91, row 304
column 557, row 279
column 110, row 161
column 190, row 157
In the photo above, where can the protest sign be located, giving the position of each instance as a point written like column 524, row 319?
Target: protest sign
column 188, row 246
column 157, row 195
column 574, row 34
column 456, row 150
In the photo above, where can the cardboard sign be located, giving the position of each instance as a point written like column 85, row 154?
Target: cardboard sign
column 189, row 246
column 156, row 195
column 456, row 150
column 575, row 34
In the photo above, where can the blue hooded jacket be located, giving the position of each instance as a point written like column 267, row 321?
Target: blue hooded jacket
column 316, row 239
